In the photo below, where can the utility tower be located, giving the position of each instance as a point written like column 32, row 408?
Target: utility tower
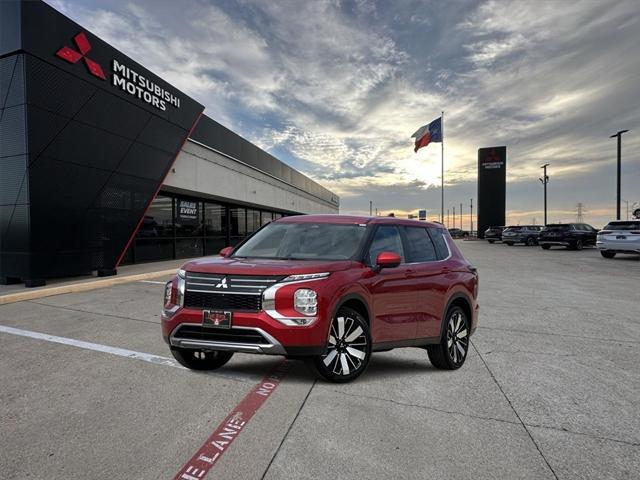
column 580, row 211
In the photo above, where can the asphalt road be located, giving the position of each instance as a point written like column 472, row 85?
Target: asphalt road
column 550, row 389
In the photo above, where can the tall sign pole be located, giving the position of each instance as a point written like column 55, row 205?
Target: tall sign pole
column 442, row 170
column 545, row 180
column 619, row 169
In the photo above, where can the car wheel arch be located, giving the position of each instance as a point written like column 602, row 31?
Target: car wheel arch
column 457, row 299
column 356, row 302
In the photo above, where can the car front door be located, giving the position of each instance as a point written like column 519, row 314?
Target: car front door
column 392, row 290
column 427, row 272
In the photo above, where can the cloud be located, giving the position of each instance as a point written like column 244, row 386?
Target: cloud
column 336, row 88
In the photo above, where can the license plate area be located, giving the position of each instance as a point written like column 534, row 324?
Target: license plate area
column 621, row 237
column 216, row 319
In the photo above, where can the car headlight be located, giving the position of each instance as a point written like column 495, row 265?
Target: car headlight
column 305, row 301
column 168, row 292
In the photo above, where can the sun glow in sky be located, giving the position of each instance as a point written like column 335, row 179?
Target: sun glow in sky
column 336, row 88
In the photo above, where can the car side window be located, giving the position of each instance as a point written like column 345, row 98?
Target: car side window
column 439, row 241
column 420, row 248
column 386, row 239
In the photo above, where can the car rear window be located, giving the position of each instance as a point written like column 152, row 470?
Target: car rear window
column 437, row 235
column 420, row 248
column 513, row 229
column 623, row 226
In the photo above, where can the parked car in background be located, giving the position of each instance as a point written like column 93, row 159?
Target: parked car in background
column 571, row 235
column 527, row 234
column 620, row 236
column 458, row 233
column 493, row 234
column 330, row 289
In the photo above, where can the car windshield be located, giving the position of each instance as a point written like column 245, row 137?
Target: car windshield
column 303, row 241
column 558, row 228
column 623, row 226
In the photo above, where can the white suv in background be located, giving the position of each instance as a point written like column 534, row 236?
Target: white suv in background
column 620, row 236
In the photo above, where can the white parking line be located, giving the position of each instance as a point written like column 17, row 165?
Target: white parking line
column 152, row 281
column 121, row 352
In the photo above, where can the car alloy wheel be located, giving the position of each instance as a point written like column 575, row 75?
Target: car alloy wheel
column 348, row 348
column 578, row 245
column 451, row 352
column 531, row 241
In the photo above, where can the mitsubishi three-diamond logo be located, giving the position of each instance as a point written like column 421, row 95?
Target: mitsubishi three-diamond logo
column 74, row 56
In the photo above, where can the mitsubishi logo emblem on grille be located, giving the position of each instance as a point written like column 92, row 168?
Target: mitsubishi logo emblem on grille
column 223, row 283
column 74, row 56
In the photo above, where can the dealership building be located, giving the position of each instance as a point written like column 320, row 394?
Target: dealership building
column 103, row 163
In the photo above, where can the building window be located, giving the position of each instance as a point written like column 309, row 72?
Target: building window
column 266, row 218
column 215, row 220
column 188, row 219
column 253, row 221
column 158, row 221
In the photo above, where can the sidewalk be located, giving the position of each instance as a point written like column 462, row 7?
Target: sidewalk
column 128, row 273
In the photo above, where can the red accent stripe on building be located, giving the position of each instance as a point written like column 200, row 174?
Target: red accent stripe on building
column 157, row 190
column 223, row 436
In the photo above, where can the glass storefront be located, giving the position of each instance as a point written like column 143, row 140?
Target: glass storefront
column 184, row 227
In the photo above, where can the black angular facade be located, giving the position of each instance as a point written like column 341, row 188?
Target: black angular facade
column 81, row 157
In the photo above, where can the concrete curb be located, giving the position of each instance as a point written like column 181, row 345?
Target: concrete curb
column 82, row 287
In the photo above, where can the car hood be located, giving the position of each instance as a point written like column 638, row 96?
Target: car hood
column 262, row 266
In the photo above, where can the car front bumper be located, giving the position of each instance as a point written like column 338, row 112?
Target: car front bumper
column 250, row 332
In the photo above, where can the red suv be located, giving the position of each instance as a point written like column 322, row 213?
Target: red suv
column 331, row 289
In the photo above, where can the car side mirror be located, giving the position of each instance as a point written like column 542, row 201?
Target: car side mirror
column 226, row 251
column 388, row 260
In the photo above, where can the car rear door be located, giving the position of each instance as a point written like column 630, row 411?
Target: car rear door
column 427, row 272
column 392, row 290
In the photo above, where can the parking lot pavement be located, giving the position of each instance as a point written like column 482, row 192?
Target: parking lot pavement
column 550, row 389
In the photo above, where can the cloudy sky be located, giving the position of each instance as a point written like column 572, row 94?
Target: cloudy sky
column 336, row 88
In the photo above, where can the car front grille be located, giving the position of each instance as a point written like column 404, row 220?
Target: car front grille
column 226, row 292
column 223, row 301
column 231, row 335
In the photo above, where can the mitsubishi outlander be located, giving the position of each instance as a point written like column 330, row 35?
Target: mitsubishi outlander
column 330, row 289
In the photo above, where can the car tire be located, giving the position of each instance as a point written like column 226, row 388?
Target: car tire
column 545, row 246
column 509, row 243
column 607, row 254
column 577, row 245
column 348, row 348
column 452, row 350
column 200, row 359
column 530, row 242
column 491, row 241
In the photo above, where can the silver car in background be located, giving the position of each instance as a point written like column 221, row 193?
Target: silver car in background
column 620, row 236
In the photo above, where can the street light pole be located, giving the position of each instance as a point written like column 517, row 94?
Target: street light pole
column 545, row 180
column 619, row 136
column 370, row 208
column 471, row 215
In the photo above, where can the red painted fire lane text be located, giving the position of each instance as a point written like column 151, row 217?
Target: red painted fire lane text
column 220, row 440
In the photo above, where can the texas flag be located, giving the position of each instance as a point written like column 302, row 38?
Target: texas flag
column 427, row 134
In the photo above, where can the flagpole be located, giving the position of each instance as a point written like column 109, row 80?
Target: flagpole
column 442, row 171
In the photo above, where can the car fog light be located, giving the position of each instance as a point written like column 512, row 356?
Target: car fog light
column 305, row 301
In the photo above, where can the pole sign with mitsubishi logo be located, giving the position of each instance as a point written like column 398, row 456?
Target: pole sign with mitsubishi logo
column 492, row 179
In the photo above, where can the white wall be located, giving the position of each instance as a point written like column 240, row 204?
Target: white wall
column 200, row 171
